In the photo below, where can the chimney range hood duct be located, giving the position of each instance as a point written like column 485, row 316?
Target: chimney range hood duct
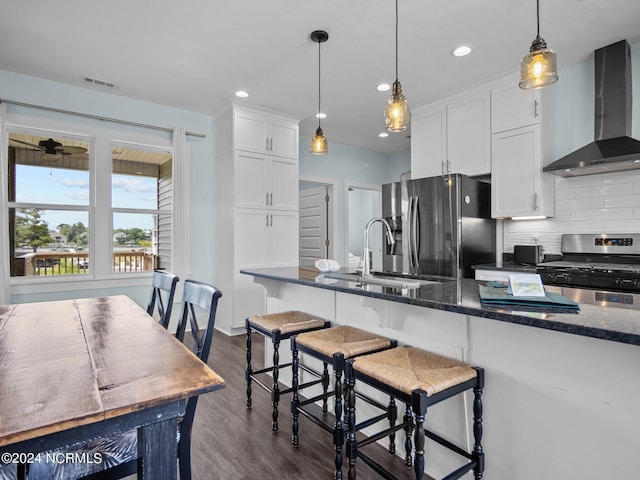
column 613, row 148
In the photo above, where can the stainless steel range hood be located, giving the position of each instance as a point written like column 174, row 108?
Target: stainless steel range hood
column 613, row 148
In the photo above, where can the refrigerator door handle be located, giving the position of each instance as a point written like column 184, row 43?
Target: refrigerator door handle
column 410, row 231
column 415, row 232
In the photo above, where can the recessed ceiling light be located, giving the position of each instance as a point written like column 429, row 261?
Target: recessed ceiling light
column 461, row 51
column 383, row 134
column 321, row 115
column 241, row 94
column 383, row 87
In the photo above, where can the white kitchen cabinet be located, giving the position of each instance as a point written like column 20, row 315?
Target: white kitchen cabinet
column 428, row 142
column 262, row 239
column 267, row 182
column 261, row 132
column 452, row 136
column 521, row 145
column 519, row 188
column 256, row 194
column 512, row 107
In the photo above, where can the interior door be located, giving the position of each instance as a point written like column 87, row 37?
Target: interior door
column 314, row 240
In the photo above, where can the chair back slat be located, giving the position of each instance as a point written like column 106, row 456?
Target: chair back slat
column 163, row 287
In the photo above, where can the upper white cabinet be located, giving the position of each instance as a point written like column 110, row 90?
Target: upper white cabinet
column 260, row 132
column 452, row 136
column 521, row 145
column 513, row 107
column 268, row 182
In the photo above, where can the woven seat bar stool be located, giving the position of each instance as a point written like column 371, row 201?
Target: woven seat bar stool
column 278, row 327
column 419, row 379
column 332, row 346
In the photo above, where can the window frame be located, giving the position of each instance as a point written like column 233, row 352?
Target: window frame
column 101, row 138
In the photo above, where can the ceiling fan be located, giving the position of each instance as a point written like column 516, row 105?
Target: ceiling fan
column 52, row 150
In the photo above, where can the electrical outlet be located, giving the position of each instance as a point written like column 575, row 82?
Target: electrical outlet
column 536, row 239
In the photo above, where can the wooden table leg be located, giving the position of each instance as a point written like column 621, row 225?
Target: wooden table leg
column 158, row 449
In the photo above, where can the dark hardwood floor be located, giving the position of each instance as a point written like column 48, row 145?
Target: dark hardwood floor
column 231, row 442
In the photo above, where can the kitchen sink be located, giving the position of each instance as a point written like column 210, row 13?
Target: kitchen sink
column 382, row 280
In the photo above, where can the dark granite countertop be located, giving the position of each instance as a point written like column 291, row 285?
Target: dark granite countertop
column 605, row 315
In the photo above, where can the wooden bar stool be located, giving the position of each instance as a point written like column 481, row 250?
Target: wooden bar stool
column 332, row 346
column 277, row 327
column 419, row 379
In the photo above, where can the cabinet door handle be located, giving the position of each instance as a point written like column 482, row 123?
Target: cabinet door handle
column 535, row 109
column 535, row 202
column 271, row 144
column 266, row 199
column 266, row 143
column 271, row 220
column 442, row 168
column 271, row 198
column 267, row 219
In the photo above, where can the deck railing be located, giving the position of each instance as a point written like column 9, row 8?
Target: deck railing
column 77, row 263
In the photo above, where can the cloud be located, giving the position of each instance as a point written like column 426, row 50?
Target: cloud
column 133, row 185
column 80, row 183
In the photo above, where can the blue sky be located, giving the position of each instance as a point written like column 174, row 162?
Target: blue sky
column 71, row 187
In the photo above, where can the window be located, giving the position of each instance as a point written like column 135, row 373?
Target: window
column 49, row 203
column 87, row 207
column 142, row 200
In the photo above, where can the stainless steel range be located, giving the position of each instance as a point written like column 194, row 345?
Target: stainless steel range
column 599, row 261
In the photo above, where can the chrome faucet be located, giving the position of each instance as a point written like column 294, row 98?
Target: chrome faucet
column 366, row 263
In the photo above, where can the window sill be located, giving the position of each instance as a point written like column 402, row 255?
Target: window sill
column 21, row 286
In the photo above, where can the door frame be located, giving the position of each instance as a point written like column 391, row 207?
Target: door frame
column 332, row 212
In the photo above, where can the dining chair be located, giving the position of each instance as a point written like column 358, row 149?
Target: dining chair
column 163, row 288
column 120, row 452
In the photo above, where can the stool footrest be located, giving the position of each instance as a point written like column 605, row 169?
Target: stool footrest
column 261, row 384
column 460, row 472
column 446, row 443
column 315, row 419
column 321, row 396
column 374, row 466
column 269, row 369
column 377, row 436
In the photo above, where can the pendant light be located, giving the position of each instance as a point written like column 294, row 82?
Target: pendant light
column 397, row 114
column 540, row 67
column 319, row 141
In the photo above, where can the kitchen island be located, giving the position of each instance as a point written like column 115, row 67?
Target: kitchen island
column 561, row 388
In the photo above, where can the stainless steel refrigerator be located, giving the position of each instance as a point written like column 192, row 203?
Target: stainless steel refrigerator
column 442, row 226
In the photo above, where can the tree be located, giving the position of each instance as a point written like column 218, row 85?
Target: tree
column 31, row 229
column 76, row 234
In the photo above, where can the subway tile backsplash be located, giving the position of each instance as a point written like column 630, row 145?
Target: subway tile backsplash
column 591, row 204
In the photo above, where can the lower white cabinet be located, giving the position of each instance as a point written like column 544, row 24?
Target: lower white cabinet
column 262, row 239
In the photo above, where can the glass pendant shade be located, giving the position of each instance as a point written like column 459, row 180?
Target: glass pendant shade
column 318, row 143
column 397, row 114
column 539, row 68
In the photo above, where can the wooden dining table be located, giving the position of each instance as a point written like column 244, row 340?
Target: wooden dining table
column 75, row 370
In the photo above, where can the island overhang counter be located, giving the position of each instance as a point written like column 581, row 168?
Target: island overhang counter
column 561, row 388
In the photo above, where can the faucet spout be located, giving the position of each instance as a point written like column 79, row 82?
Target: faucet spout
column 366, row 264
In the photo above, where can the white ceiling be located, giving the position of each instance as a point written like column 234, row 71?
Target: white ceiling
column 194, row 54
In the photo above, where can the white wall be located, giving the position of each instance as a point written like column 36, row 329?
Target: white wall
column 37, row 91
column 593, row 203
column 346, row 165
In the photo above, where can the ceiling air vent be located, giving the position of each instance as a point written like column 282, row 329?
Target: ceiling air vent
column 101, row 83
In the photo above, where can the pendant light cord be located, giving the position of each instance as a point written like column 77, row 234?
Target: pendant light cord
column 319, row 74
column 396, row 40
column 538, row 16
